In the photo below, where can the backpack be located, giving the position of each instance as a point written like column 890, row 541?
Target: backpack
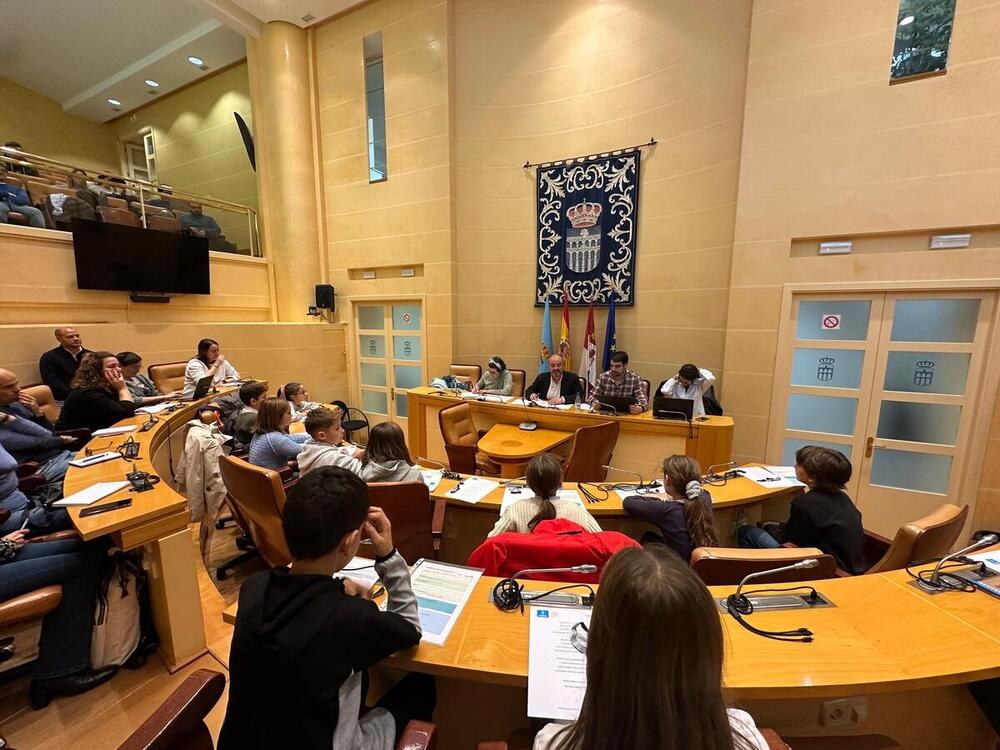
column 118, row 612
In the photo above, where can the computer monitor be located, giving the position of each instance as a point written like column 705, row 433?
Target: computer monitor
column 665, row 407
column 620, row 404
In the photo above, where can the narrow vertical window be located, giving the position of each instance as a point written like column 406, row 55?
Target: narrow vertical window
column 375, row 102
column 923, row 37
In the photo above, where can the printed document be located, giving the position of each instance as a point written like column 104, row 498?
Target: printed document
column 472, row 489
column 763, row 476
column 431, row 477
column 91, row 494
column 442, row 591
column 557, row 661
column 360, row 569
column 113, row 430
column 515, row 492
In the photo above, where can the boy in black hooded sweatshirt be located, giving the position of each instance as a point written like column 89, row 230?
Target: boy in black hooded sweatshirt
column 303, row 638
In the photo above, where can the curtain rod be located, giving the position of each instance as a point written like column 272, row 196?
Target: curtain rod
column 601, row 154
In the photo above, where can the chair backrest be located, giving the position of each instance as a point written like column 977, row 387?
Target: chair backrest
column 260, row 496
column 410, row 510
column 179, row 722
column 469, row 372
column 168, row 376
column 646, row 385
column 118, row 216
column 727, row 566
column 518, row 379
column 117, row 202
column 457, row 427
column 923, row 539
column 592, row 450
column 46, row 402
column 162, row 223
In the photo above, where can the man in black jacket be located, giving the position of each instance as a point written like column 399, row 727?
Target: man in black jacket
column 556, row 386
column 58, row 366
column 304, row 638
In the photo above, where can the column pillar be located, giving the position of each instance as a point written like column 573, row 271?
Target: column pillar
column 286, row 164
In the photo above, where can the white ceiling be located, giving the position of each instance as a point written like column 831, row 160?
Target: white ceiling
column 83, row 52
column 294, row 11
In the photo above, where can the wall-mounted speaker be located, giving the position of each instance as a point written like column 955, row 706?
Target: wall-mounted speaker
column 324, row 297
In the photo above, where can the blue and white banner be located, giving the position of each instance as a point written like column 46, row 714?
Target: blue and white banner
column 588, row 218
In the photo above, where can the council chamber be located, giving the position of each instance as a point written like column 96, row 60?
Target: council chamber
column 473, row 374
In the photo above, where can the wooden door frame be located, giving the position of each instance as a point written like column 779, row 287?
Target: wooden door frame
column 353, row 382
column 972, row 464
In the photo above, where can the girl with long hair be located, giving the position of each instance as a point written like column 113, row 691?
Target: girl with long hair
column 99, row 395
column 683, row 513
column 654, row 665
column 544, row 478
column 297, row 397
column 271, row 446
column 386, row 457
column 208, row 361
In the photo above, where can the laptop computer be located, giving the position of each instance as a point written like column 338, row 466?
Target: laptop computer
column 666, row 407
column 201, row 388
column 620, row 403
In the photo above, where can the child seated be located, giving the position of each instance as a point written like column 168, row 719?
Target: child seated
column 386, row 457
column 303, row 638
column 251, row 394
column 683, row 513
column 544, row 479
column 296, row 396
column 823, row 517
column 323, row 448
column 272, row 447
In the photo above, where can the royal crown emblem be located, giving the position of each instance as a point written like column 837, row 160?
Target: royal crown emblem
column 824, row 372
column 583, row 240
column 923, row 373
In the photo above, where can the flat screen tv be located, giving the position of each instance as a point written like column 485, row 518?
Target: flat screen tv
column 114, row 257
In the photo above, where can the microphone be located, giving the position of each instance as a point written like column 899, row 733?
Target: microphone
column 445, row 470
column 738, row 605
column 984, row 541
column 812, row 562
column 608, row 406
column 509, row 481
column 570, row 569
column 507, row 594
column 527, row 425
column 639, row 488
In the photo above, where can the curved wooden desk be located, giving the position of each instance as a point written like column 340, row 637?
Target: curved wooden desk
column 643, row 442
column 512, row 447
column 157, row 521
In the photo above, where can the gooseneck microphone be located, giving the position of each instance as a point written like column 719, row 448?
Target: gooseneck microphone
column 446, row 471
column 984, row 541
column 527, row 425
column 507, row 594
column 738, row 605
column 608, row 406
column 640, row 488
column 812, row 562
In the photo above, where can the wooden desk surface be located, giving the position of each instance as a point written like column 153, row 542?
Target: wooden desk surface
column 879, row 638
column 507, row 442
column 735, row 493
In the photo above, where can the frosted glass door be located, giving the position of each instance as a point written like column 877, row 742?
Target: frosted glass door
column 373, row 363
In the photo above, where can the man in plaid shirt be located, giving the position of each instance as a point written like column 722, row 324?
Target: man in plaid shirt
column 620, row 381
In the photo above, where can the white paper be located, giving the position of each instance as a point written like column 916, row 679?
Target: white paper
column 113, row 431
column 472, row 489
column 97, row 458
column 788, row 472
column 515, row 492
column 431, row 477
column 91, row 494
column 557, row 670
column 155, row 408
column 992, row 559
column 442, row 591
column 766, row 478
column 360, row 569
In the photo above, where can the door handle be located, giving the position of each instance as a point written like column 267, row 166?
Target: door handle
column 870, row 445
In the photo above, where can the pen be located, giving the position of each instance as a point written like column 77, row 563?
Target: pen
column 24, row 525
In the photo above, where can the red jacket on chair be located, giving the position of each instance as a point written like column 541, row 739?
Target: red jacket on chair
column 553, row 544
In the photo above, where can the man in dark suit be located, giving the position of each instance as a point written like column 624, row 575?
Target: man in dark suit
column 58, row 366
column 556, row 386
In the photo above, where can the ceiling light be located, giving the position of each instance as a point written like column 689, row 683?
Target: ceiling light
column 198, row 61
column 114, row 102
column 151, row 82
column 906, row 21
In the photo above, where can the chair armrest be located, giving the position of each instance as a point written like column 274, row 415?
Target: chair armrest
column 56, row 536
column 841, row 573
column 31, row 484
column 418, row 735
column 774, row 742
column 875, row 547
column 182, row 713
column 81, row 437
column 790, row 545
column 27, row 469
column 286, row 473
column 437, row 521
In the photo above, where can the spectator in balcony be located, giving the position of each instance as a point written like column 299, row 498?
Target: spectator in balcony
column 162, row 200
column 14, row 198
column 78, row 182
column 200, row 225
column 19, row 168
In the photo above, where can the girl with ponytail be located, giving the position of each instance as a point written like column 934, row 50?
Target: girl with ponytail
column 683, row 513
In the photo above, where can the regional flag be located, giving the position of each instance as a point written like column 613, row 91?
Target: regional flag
column 588, row 362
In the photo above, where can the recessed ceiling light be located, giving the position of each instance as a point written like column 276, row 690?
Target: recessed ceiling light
column 906, row 21
column 114, row 102
column 151, row 82
column 196, row 60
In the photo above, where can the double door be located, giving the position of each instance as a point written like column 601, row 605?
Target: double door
column 390, row 340
column 892, row 381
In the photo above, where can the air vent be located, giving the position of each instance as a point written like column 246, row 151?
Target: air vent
column 308, row 18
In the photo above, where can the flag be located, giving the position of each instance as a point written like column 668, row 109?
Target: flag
column 610, row 342
column 546, row 350
column 564, row 347
column 588, row 361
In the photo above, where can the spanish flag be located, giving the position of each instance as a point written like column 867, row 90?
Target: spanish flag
column 564, row 347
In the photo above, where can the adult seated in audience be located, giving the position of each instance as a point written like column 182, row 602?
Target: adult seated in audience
column 209, row 361
column 324, row 446
column 25, row 513
column 823, row 517
column 58, row 366
column 690, row 382
column 199, row 224
column 251, row 395
column 78, row 181
column 497, row 379
column 27, row 435
column 272, row 447
column 63, row 664
column 544, row 479
column 303, row 638
column 15, row 198
column 144, row 391
column 162, row 199
column 297, row 397
column 683, row 513
column 665, row 667
column 24, row 169
column 76, row 201
column 620, row 381
column 99, row 396
column 556, row 386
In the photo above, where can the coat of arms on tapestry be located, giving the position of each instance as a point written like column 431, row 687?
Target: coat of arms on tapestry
column 588, row 218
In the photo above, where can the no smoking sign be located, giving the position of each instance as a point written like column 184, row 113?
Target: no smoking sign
column 831, row 322
column 407, row 318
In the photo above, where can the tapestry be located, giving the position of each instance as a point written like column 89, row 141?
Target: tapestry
column 588, row 218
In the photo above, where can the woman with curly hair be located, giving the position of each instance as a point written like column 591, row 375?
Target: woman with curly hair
column 99, row 395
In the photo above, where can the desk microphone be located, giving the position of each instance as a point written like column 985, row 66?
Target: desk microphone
column 984, row 541
column 507, row 593
column 510, row 481
column 639, row 488
column 608, row 406
column 527, row 425
column 445, row 470
column 738, row 605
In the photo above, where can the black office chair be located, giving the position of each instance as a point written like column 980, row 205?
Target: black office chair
column 353, row 420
